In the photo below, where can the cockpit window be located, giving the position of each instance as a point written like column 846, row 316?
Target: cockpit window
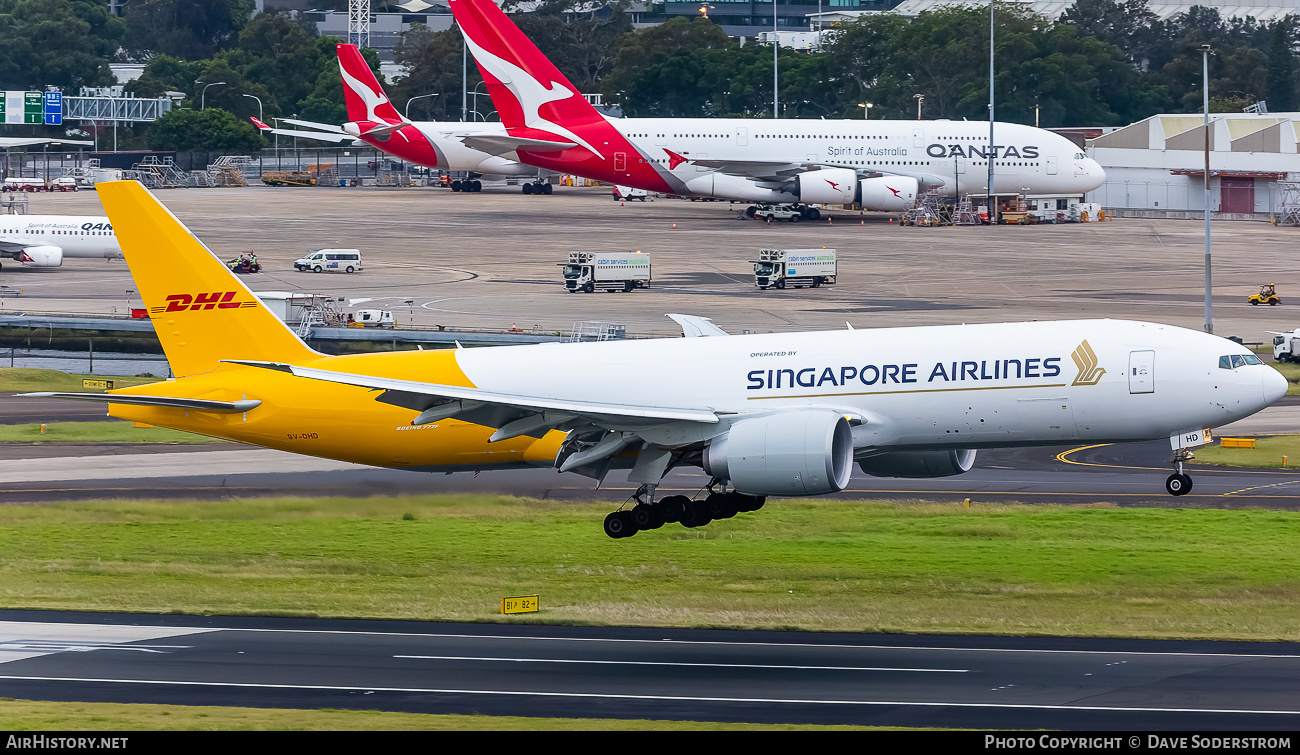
column 1233, row 361
column 1079, row 156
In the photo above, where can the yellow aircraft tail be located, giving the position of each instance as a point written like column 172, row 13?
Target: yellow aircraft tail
column 201, row 312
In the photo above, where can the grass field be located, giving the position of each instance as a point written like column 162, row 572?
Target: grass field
column 1268, row 452
column 97, row 432
column 817, row 565
column 27, row 379
column 35, row 715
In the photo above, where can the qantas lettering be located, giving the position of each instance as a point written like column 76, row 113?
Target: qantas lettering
column 96, row 227
column 971, row 150
column 881, row 374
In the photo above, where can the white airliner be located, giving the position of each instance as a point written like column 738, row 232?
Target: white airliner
column 469, row 147
column 784, row 414
column 882, row 165
column 47, row 240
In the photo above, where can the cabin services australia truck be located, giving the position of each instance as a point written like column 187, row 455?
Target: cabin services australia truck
column 606, row 271
column 778, row 268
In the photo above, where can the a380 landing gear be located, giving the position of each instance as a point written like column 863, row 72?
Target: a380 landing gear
column 649, row 514
column 1179, row 483
column 539, row 187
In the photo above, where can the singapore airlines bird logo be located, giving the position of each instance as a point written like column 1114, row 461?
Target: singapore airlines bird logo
column 1086, row 360
column 529, row 91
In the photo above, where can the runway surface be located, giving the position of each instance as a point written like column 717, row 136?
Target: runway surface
column 882, row 680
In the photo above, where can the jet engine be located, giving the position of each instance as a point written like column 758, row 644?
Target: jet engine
column 41, row 256
column 828, row 186
column 889, row 193
column 790, row 453
column 919, row 463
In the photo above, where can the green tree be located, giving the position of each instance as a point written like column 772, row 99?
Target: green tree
column 212, row 130
column 190, row 29
column 64, row 43
column 433, row 62
column 582, row 46
column 1281, row 68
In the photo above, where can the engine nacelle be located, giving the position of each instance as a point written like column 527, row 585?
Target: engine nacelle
column 790, row 453
column 919, row 463
column 889, row 193
column 827, row 186
column 41, row 256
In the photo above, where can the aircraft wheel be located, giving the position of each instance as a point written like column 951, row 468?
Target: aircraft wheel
column 1178, row 484
column 646, row 517
column 814, row 214
column 455, row 186
column 547, row 189
column 749, row 212
column 478, row 185
column 673, row 508
column 697, row 515
column 619, row 524
column 751, row 502
column 528, row 188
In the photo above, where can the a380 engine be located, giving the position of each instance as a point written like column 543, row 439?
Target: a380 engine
column 919, row 463
column 789, row 453
column 841, row 186
column 41, row 256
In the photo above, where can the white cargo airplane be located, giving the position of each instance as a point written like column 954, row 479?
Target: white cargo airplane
column 784, row 414
column 47, row 240
column 882, row 165
column 469, row 147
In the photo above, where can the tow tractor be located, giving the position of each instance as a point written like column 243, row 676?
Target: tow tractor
column 1267, row 295
column 246, row 262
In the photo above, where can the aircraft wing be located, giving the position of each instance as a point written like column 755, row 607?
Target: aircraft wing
column 12, row 246
column 756, row 170
column 503, row 144
column 444, row 400
column 202, row 405
column 694, row 326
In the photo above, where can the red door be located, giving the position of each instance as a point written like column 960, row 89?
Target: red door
column 620, row 162
column 1237, row 195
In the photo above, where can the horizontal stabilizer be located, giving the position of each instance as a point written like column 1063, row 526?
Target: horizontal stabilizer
column 501, row 144
column 320, row 136
column 694, row 326
column 200, row 405
column 313, row 124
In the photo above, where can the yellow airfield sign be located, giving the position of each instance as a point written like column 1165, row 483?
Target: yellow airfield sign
column 525, row 604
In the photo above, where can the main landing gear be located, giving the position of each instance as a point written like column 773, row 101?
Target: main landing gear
column 540, row 187
column 1179, row 483
column 467, row 185
column 805, row 212
column 649, row 514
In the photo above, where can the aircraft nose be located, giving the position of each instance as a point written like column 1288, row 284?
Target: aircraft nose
column 1274, row 385
column 1096, row 173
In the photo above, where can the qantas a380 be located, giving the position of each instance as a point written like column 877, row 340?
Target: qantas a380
column 781, row 414
column 882, row 165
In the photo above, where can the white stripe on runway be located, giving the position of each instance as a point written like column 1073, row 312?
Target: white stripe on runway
column 671, row 698
column 676, row 663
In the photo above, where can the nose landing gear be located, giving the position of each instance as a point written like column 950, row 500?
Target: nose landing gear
column 1179, row 483
column 649, row 514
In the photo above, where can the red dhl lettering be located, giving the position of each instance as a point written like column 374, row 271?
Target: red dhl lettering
column 220, row 300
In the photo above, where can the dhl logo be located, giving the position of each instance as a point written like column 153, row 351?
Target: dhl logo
column 218, row 300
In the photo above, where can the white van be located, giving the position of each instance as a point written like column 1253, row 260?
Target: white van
column 330, row 260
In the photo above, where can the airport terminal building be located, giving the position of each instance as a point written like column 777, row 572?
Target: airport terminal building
column 1156, row 167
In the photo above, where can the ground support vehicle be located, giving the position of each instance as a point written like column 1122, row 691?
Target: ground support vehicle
column 1267, row 295
column 779, row 212
column 627, row 193
column 1286, row 346
column 616, row 271
column 245, row 263
column 288, row 178
column 371, row 318
column 330, row 261
column 795, row 268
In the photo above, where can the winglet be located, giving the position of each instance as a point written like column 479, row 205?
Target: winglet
column 697, row 327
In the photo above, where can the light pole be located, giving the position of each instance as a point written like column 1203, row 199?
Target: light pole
column 992, row 152
column 259, row 105
column 203, row 98
column 407, row 111
column 1205, row 99
column 919, row 99
column 866, row 110
column 776, row 45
